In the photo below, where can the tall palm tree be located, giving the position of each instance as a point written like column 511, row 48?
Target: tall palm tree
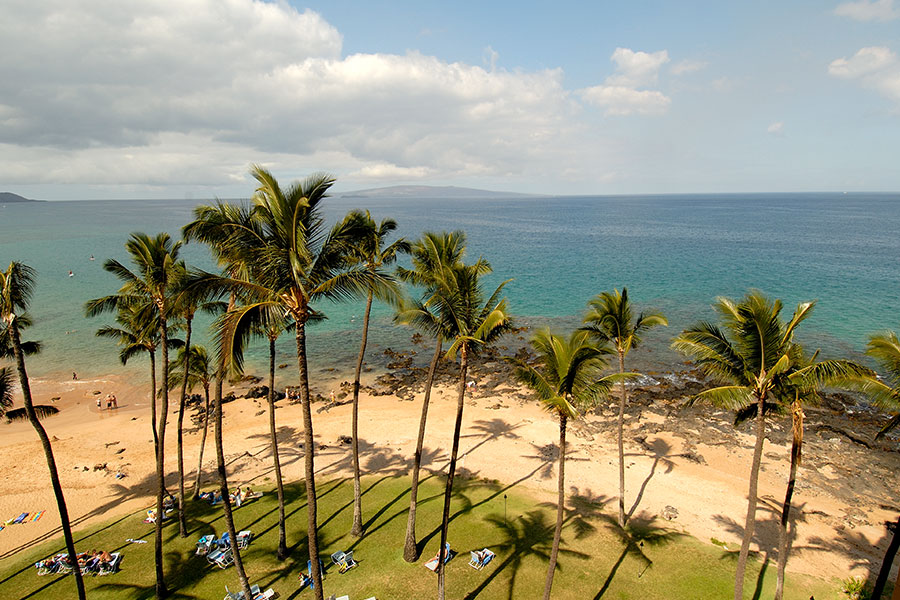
column 227, row 230
column 16, row 289
column 611, row 319
column 371, row 251
column 750, row 354
column 292, row 262
column 885, row 349
column 188, row 301
column 806, row 378
column 432, row 256
column 472, row 323
column 153, row 282
column 266, row 321
column 567, row 383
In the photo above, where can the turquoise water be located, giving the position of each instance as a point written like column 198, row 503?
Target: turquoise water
column 675, row 254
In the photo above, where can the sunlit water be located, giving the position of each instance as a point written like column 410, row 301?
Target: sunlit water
column 674, row 253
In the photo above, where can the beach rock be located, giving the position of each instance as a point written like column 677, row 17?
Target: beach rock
column 97, row 392
column 258, row 392
column 230, row 397
column 345, row 439
column 669, row 513
column 120, row 450
column 100, row 467
column 283, row 366
column 259, row 412
column 54, row 399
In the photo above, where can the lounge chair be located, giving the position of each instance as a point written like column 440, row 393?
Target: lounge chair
column 243, row 538
column 225, row 560
column 343, row 560
column 224, row 541
column 214, row 556
column 229, row 595
column 433, row 563
column 480, row 559
column 205, row 544
column 110, row 567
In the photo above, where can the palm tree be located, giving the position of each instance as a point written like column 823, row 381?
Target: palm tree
column 471, row 323
column 188, row 301
column 610, row 318
column 885, row 349
column 262, row 320
column 800, row 388
column 16, row 289
column 431, row 256
column 371, row 251
column 750, row 355
column 292, row 263
column 567, row 384
column 153, row 284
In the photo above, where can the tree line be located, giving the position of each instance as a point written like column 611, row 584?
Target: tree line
column 278, row 261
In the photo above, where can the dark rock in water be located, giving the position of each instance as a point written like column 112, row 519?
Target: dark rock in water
column 258, row 392
column 278, row 396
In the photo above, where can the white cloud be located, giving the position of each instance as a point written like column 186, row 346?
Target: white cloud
column 868, row 10
column 192, row 91
column 688, row 66
column 619, row 93
column 776, row 128
column 876, row 67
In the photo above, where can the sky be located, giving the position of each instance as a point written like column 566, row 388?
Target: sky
column 138, row 99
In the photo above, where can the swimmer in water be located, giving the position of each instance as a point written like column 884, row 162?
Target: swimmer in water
column 71, row 274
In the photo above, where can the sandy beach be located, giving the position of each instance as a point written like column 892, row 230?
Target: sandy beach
column 693, row 462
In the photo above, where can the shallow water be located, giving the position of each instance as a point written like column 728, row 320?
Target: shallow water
column 675, row 254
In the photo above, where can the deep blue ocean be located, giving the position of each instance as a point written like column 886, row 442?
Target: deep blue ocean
column 675, row 253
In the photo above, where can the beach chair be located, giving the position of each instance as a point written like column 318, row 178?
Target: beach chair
column 243, row 538
column 225, row 560
column 205, row 544
column 215, row 555
column 19, row 519
column 321, row 568
column 480, row 559
column 108, row 568
column 343, row 560
column 433, row 563
column 224, row 541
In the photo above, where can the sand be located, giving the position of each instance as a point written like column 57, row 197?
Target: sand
column 504, row 438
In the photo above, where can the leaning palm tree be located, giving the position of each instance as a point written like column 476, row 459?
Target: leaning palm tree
column 371, row 252
column 432, row 256
column 292, row 262
column 885, row 395
column 200, row 374
column 16, row 289
column 802, row 386
column 153, row 283
column 472, row 323
column 750, row 354
column 262, row 320
column 188, row 301
column 567, row 383
column 611, row 319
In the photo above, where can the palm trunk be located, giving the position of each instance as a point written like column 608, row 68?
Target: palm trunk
column 886, row 565
column 357, row 528
column 279, row 487
column 153, row 401
column 783, row 542
column 48, row 453
column 560, row 508
column 196, row 494
column 223, row 478
column 445, row 518
column 182, row 524
column 309, row 451
column 410, row 549
column 621, row 425
column 750, row 523
column 161, row 590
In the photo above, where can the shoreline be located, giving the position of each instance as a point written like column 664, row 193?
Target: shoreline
column 676, row 457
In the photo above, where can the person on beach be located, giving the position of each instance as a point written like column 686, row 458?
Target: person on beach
column 332, row 396
column 115, row 403
column 74, row 376
column 108, row 401
column 98, row 403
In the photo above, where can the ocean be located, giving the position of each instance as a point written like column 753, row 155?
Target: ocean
column 675, row 253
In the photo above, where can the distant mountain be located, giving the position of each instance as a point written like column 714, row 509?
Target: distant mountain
column 428, row 191
column 9, row 197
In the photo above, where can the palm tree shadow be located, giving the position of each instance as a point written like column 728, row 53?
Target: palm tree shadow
column 528, row 535
column 660, row 450
column 638, row 531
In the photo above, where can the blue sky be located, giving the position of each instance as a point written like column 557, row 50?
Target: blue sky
column 176, row 98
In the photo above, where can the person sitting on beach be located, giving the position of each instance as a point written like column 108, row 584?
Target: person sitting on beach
column 104, row 556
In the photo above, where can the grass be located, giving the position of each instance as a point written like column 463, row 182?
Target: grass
column 647, row 561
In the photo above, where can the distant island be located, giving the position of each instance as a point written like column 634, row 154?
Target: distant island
column 8, row 197
column 428, row 191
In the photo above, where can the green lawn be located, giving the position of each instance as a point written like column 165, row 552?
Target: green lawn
column 598, row 560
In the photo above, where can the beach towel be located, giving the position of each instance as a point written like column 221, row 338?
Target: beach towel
column 136, row 541
column 37, row 516
column 21, row 518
